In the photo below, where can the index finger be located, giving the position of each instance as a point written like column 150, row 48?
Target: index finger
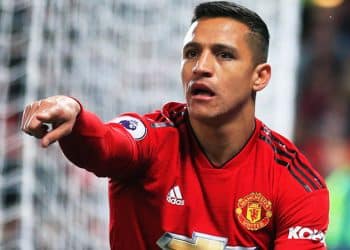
column 28, row 116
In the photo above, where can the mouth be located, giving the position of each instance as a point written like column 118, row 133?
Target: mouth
column 199, row 90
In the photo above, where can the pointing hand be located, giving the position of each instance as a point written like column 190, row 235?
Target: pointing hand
column 59, row 111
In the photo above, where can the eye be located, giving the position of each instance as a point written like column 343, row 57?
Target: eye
column 190, row 53
column 225, row 55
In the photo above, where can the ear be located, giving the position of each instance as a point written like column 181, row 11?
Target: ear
column 261, row 76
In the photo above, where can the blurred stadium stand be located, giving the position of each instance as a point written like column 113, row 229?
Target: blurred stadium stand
column 322, row 127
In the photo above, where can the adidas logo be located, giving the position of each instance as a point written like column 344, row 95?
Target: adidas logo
column 175, row 197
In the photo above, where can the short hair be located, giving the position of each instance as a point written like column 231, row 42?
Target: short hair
column 259, row 36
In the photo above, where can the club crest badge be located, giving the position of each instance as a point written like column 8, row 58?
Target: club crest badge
column 133, row 125
column 254, row 211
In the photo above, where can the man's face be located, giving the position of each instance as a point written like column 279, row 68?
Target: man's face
column 217, row 69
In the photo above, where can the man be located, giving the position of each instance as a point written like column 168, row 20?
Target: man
column 202, row 175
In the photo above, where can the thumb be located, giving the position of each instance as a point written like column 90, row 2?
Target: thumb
column 56, row 133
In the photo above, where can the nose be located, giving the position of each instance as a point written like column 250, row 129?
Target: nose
column 204, row 65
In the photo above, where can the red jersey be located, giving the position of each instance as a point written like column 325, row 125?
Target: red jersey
column 164, row 193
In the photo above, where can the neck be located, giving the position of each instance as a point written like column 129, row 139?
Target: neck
column 221, row 141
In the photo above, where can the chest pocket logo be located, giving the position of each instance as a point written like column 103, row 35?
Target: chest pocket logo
column 199, row 241
column 254, row 211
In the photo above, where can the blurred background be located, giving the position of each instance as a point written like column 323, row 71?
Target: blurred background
column 124, row 55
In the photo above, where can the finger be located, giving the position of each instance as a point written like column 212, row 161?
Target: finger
column 24, row 116
column 36, row 128
column 40, row 131
column 35, row 124
column 27, row 114
column 30, row 116
column 56, row 134
column 31, row 125
column 53, row 114
column 36, row 108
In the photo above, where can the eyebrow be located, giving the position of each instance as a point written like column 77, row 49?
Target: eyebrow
column 214, row 47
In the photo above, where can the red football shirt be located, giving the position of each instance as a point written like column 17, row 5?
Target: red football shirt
column 164, row 193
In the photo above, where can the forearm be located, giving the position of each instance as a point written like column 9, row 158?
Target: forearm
column 97, row 147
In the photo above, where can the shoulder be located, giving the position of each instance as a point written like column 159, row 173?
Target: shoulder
column 172, row 114
column 301, row 197
column 164, row 120
column 292, row 163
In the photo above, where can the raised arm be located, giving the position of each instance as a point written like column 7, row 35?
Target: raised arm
column 106, row 149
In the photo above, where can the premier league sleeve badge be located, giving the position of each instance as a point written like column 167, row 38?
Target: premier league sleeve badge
column 134, row 126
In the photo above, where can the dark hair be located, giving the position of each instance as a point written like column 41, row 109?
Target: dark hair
column 258, row 38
